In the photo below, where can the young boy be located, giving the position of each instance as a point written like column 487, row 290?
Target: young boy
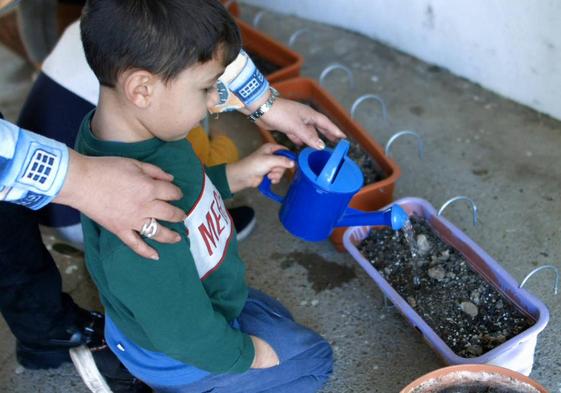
column 188, row 322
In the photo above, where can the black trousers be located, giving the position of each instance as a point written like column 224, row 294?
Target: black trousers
column 31, row 297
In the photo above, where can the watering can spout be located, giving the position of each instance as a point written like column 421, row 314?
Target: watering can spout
column 394, row 217
column 398, row 217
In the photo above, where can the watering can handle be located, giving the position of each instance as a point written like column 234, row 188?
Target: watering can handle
column 332, row 166
column 265, row 186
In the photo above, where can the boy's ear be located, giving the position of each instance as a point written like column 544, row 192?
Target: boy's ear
column 139, row 87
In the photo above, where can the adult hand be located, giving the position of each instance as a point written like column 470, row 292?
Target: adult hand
column 300, row 123
column 122, row 195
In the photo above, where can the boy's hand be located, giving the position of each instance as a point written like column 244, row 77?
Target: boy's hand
column 249, row 171
column 265, row 355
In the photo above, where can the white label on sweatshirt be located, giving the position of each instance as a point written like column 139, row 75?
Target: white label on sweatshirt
column 209, row 229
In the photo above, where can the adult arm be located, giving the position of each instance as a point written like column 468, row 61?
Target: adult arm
column 118, row 193
column 244, row 88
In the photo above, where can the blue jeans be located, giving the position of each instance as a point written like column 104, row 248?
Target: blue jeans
column 306, row 359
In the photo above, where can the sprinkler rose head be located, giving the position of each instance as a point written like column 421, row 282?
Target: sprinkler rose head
column 399, row 217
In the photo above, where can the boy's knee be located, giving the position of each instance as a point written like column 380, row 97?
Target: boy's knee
column 322, row 355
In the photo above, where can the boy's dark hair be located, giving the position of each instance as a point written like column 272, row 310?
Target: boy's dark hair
column 163, row 37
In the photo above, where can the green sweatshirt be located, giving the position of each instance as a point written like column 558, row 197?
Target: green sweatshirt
column 183, row 304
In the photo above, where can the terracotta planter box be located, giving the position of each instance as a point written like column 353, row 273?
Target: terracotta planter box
column 233, row 7
column 471, row 377
column 516, row 353
column 266, row 52
column 372, row 196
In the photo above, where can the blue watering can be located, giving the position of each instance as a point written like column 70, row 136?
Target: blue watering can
column 319, row 195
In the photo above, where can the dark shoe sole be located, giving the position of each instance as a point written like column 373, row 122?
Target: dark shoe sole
column 41, row 359
column 244, row 233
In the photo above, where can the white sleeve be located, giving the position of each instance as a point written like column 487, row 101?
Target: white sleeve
column 32, row 168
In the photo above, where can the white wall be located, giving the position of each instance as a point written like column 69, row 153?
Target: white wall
column 512, row 47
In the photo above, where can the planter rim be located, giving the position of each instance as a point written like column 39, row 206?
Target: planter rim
column 541, row 319
column 472, row 368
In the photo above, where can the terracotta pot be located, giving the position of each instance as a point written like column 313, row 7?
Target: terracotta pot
column 372, row 196
column 516, row 353
column 469, row 374
column 9, row 34
column 233, row 7
column 257, row 43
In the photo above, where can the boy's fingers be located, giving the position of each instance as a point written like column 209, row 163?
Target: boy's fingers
column 283, row 162
column 270, row 148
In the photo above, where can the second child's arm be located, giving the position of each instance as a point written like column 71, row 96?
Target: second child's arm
column 249, row 171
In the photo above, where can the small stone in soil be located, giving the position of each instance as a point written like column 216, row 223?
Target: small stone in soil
column 469, row 308
column 423, row 244
column 444, row 256
column 411, row 300
column 438, row 273
column 474, row 297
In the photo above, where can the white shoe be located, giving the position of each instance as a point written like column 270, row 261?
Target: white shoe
column 85, row 365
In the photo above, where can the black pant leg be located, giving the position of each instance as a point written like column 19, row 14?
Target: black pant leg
column 31, row 297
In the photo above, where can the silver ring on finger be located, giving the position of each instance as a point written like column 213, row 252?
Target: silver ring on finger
column 149, row 229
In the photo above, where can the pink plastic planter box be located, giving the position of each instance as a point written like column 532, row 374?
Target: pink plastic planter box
column 516, row 353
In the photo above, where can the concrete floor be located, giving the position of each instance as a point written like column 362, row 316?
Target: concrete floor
column 503, row 155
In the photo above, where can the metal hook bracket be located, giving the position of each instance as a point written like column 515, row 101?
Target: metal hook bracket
column 395, row 137
column 297, row 34
column 460, row 198
column 372, row 97
column 257, row 18
column 336, row 66
column 544, row 267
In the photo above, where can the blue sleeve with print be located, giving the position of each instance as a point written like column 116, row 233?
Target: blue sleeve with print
column 32, row 168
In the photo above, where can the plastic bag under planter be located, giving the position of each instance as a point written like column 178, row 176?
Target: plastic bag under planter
column 517, row 352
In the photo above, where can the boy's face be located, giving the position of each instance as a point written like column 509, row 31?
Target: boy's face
column 181, row 104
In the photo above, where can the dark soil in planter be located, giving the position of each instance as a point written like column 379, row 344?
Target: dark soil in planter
column 282, row 139
column 469, row 314
column 262, row 64
column 370, row 168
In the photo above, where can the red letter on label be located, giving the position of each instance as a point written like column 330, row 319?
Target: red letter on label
column 208, row 233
